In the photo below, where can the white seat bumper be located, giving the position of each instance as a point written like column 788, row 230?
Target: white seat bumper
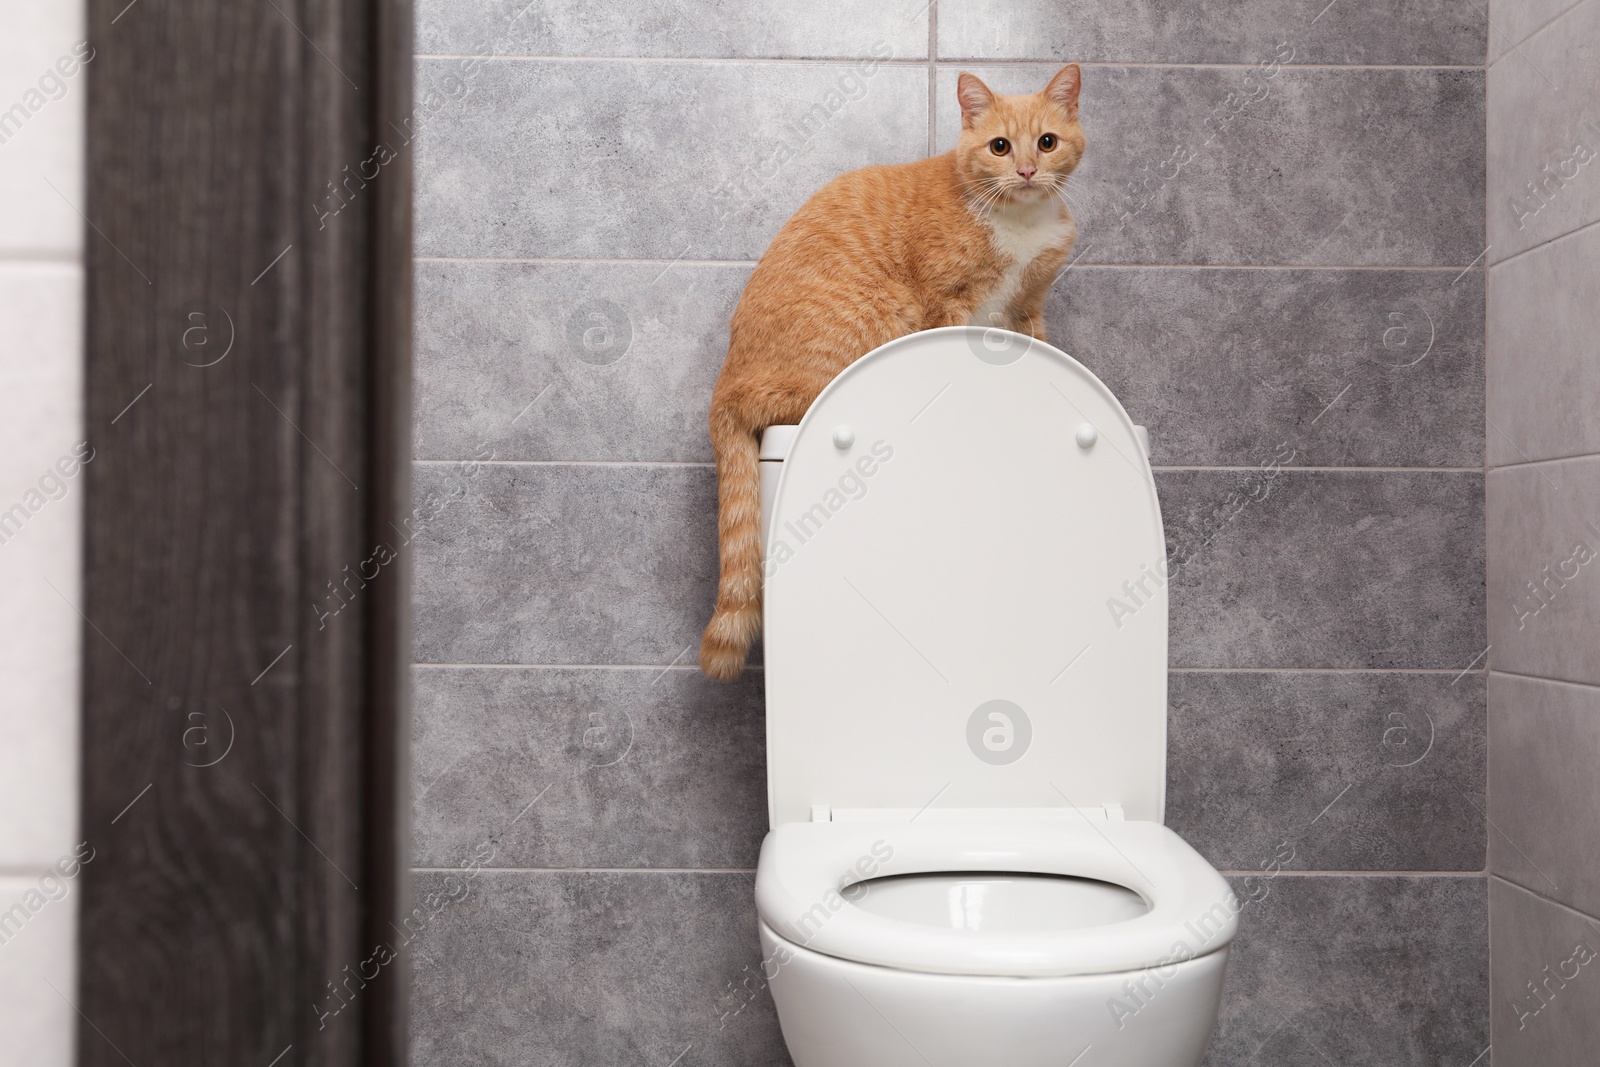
column 806, row 869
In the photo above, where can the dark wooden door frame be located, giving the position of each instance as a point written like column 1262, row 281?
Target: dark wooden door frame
column 246, row 650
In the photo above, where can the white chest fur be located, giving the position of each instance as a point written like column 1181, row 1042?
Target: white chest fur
column 1020, row 232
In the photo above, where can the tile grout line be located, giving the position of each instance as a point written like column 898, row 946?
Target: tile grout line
column 1451, row 671
column 571, row 666
column 26, row 257
column 1539, row 462
column 1354, row 874
column 1484, row 459
column 1163, row 469
column 1488, row 802
column 752, row 870
column 956, row 61
column 911, row 63
column 12, row 871
column 945, row 61
column 1574, row 232
column 1563, row 905
column 669, row 463
column 1543, row 678
column 589, row 870
column 1287, row 468
column 1488, row 282
column 1441, row 671
column 933, row 76
column 908, row 62
column 685, row 261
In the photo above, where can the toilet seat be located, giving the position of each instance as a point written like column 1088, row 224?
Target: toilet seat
column 804, row 866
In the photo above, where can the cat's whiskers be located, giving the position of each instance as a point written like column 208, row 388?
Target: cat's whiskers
column 1057, row 184
column 1002, row 194
column 989, row 189
column 1070, row 204
column 992, row 189
column 1060, row 189
column 985, row 182
column 1079, row 191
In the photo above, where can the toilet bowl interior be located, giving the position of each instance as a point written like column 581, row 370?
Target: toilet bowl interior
column 997, row 902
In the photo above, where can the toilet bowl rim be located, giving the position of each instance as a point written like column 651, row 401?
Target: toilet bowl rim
column 1192, row 911
column 785, row 952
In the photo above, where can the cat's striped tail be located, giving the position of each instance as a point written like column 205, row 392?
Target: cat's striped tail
column 737, row 618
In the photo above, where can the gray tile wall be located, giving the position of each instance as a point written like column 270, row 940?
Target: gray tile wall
column 1275, row 261
column 1543, row 521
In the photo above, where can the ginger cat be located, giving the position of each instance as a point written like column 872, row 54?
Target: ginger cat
column 976, row 235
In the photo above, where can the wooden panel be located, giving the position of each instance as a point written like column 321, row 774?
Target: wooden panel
column 248, row 295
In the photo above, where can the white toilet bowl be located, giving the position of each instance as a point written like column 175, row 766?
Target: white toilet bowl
column 992, row 938
column 965, row 649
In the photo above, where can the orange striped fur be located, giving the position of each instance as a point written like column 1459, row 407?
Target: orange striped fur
column 975, row 235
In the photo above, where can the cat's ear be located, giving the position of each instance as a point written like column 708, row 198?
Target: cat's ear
column 1063, row 89
column 975, row 98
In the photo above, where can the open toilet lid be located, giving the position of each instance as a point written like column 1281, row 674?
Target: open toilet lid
column 958, row 517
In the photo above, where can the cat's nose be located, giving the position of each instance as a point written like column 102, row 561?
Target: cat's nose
column 1027, row 173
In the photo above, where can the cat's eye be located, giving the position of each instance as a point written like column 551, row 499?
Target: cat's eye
column 1047, row 143
column 999, row 146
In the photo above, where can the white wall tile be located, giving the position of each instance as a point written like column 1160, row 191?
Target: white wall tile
column 41, row 389
column 41, row 367
column 1513, row 21
column 38, row 969
column 1543, row 104
column 1543, row 599
column 41, row 121
column 42, row 92
column 1542, row 373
